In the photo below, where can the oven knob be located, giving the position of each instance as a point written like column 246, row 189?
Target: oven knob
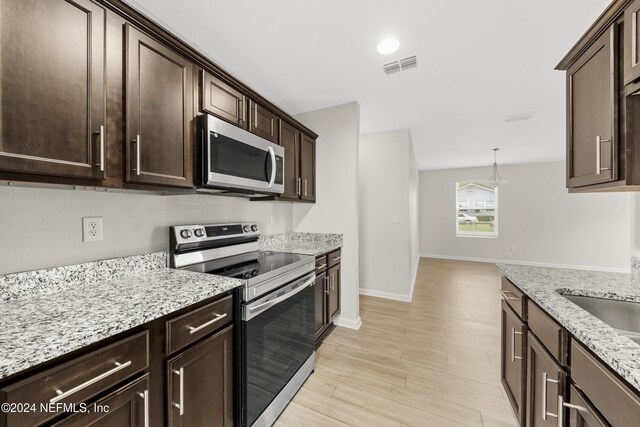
column 199, row 232
column 185, row 234
column 246, row 228
column 254, row 227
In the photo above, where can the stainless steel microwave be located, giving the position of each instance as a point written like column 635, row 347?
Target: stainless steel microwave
column 237, row 162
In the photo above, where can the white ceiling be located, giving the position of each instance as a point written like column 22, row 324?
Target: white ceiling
column 478, row 62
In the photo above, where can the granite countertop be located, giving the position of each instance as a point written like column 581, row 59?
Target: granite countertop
column 301, row 243
column 49, row 313
column 544, row 286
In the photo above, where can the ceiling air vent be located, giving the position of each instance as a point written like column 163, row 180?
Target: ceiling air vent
column 400, row 65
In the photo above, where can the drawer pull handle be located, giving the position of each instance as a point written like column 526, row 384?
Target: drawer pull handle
column 563, row 404
column 194, row 329
column 318, row 267
column 546, row 413
column 506, row 297
column 180, row 405
column 145, row 396
column 63, row 394
column 513, row 345
column 338, row 258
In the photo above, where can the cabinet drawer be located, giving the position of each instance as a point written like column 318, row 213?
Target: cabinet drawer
column 334, row 257
column 321, row 264
column 196, row 324
column 514, row 297
column 78, row 380
column 126, row 406
column 546, row 330
column 615, row 401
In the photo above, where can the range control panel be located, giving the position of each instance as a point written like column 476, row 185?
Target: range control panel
column 203, row 233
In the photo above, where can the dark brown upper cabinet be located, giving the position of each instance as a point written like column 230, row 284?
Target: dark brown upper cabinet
column 307, row 168
column 290, row 140
column 631, row 43
column 52, row 88
column 263, row 122
column 592, row 114
column 159, row 113
column 222, row 100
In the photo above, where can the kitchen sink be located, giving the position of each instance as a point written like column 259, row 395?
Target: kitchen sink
column 623, row 316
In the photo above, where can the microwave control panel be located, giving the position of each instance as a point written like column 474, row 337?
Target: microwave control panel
column 279, row 169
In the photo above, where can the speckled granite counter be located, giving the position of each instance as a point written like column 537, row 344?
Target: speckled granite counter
column 48, row 313
column 544, row 286
column 301, row 243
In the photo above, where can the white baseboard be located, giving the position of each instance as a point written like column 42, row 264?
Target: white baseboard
column 386, row 295
column 534, row 264
column 348, row 323
column 413, row 278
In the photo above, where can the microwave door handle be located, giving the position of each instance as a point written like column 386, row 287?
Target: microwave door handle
column 272, row 155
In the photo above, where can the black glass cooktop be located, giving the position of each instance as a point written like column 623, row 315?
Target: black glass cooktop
column 253, row 265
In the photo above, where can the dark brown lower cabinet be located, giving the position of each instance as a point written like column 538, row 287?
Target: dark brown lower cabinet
column 200, row 383
column 333, row 284
column 126, row 407
column 545, row 382
column 513, row 360
column 320, row 304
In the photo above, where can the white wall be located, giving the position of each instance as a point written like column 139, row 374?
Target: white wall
column 336, row 209
column 388, row 186
column 535, row 213
column 42, row 228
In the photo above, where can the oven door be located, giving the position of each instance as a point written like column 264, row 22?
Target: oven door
column 278, row 338
column 236, row 159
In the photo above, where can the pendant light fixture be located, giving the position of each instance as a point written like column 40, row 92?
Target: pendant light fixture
column 496, row 180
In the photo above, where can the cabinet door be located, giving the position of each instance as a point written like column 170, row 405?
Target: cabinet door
column 321, row 293
column 127, row 407
column 159, row 113
column 581, row 412
column 308, row 168
column 545, row 382
column 290, row 140
column 263, row 122
column 222, row 100
column 200, row 385
column 334, row 291
column 631, row 42
column 513, row 360
column 592, row 117
column 52, row 88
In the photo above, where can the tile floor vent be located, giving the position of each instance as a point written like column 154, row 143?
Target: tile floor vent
column 400, row 65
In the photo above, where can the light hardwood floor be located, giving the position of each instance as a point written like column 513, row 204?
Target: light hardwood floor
column 432, row 362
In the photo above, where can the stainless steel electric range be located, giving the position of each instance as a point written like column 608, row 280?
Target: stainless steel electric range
column 277, row 345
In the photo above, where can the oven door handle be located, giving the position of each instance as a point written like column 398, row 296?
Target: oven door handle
column 254, row 311
column 272, row 155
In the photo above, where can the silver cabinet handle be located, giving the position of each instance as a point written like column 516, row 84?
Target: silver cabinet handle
column 599, row 142
column 193, row 330
column 180, row 405
column 318, row 267
column 241, row 102
column 61, row 395
column 327, row 280
column 137, row 142
column 504, row 295
column 145, row 396
column 272, row 155
column 513, row 345
column 563, row 404
column 305, row 187
column 545, row 412
column 634, row 45
column 338, row 258
column 255, row 115
column 298, row 185
column 101, row 135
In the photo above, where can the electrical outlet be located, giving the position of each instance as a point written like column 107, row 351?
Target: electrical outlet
column 272, row 221
column 514, row 248
column 92, row 228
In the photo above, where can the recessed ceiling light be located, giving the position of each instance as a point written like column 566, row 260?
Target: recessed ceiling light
column 388, row 46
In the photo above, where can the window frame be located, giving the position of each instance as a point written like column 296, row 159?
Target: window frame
column 481, row 235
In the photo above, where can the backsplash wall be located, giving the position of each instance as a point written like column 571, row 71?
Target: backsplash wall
column 41, row 228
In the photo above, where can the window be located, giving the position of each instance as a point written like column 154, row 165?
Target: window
column 476, row 209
